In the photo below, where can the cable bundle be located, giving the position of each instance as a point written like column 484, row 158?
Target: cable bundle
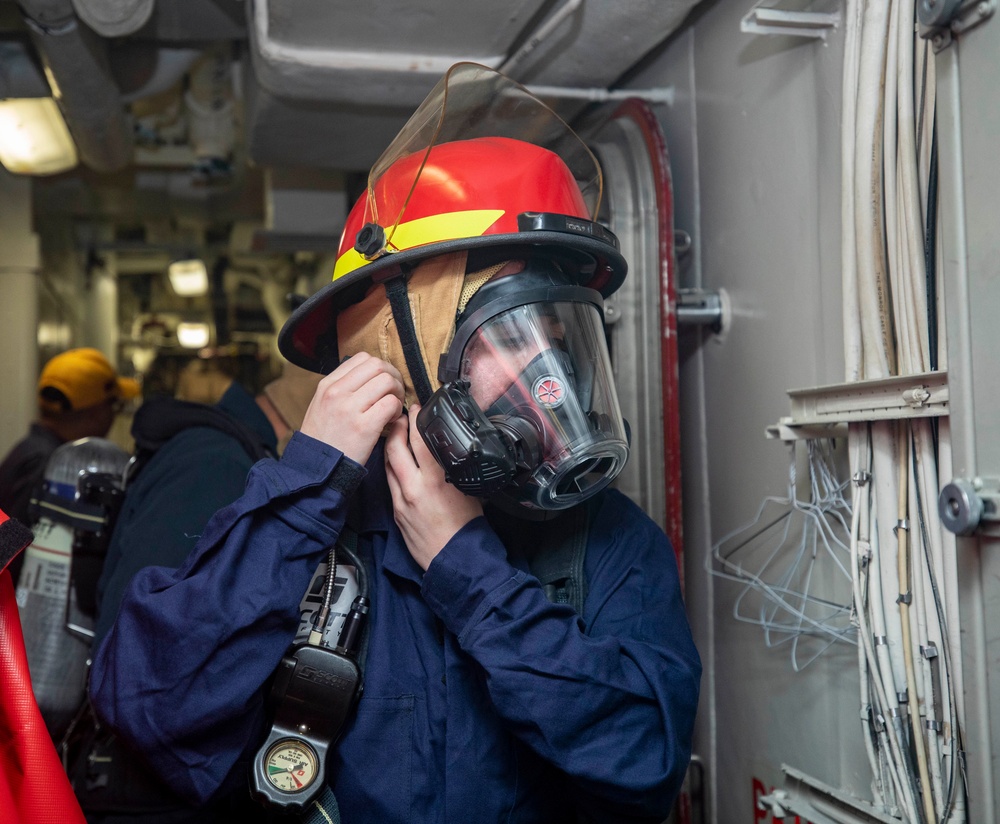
column 902, row 561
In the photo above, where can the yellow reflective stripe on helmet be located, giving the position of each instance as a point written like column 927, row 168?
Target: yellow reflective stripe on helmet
column 424, row 230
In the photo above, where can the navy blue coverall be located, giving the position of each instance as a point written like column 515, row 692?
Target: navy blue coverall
column 483, row 701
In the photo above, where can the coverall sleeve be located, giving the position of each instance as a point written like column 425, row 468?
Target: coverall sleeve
column 609, row 700
column 179, row 675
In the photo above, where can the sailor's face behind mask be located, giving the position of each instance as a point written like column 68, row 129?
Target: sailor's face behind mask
column 499, row 353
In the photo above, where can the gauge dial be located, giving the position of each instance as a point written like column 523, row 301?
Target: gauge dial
column 291, row 765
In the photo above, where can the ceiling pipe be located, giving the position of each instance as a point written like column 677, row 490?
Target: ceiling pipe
column 170, row 67
column 76, row 64
column 210, row 101
column 114, row 18
column 307, row 72
column 665, row 95
column 19, row 74
column 537, row 37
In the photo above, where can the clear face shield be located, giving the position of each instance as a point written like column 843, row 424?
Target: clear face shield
column 529, row 414
column 470, row 101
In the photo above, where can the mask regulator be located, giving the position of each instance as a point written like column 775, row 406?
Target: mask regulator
column 315, row 690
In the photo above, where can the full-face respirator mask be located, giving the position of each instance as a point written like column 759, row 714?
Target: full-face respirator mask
column 527, row 413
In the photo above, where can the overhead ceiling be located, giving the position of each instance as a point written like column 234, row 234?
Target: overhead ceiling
column 304, row 83
column 206, row 114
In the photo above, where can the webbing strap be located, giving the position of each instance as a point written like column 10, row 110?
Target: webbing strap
column 77, row 514
column 14, row 536
column 323, row 810
column 399, row 299
column 558, row 564
column 348, row 540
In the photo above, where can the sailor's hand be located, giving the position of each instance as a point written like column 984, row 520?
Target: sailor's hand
column 353, row 404
column 428, row 510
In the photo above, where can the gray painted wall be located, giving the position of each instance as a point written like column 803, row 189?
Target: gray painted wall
column 754, row 140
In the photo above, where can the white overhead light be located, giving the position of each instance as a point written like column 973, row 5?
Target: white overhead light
column 34, row 139
column 188, row 277
column 193, row 335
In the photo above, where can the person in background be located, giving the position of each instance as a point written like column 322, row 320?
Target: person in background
column 284, row 401
column 79, row 394
column 203, row 380
column 191, row 460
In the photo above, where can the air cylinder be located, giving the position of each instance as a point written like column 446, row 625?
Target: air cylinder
column 80, row 498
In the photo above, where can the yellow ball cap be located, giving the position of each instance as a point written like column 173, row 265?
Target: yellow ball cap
column 86, row 378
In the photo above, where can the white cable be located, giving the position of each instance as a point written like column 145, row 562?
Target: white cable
column 912, row 339
column 884, row 480
column 924, row 636
column 885, row 169
column 868, row 197
column 948, row 556
column 896, row 91
column 909, row 204
column 848, row 244
column 888, row 160
column 881, row 663
column 856, row 438
column 872, row 637
column 942, row 551
column 886, row 614
column 905, row 594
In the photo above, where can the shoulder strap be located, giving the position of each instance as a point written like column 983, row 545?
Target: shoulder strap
column 324, row 810
column 348, row 539
column 159, row 419
column 558, row 561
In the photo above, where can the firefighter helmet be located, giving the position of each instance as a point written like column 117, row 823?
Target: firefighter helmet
column 462, row 176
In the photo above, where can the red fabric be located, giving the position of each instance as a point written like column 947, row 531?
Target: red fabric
column 33, row 785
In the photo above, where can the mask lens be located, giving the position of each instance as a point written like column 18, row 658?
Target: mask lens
column 541, row 371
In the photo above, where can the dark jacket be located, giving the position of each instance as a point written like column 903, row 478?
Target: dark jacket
column 23, row 469
column 195, row 471
column 192, row 460
column 21, row 475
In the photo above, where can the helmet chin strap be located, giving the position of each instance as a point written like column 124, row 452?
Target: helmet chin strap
column 398, row 294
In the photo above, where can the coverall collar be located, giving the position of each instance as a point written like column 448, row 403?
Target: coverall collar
column 371, row 512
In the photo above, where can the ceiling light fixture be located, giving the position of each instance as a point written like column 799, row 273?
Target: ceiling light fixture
column 34, row 139
column 189, row 278
column 193, row 335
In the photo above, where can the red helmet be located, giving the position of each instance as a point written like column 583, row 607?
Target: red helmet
column 430, row 195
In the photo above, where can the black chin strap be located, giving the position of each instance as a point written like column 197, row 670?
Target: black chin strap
column 399, row 300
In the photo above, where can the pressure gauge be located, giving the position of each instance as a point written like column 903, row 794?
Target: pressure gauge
column 292, row 765
column 314, row 691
